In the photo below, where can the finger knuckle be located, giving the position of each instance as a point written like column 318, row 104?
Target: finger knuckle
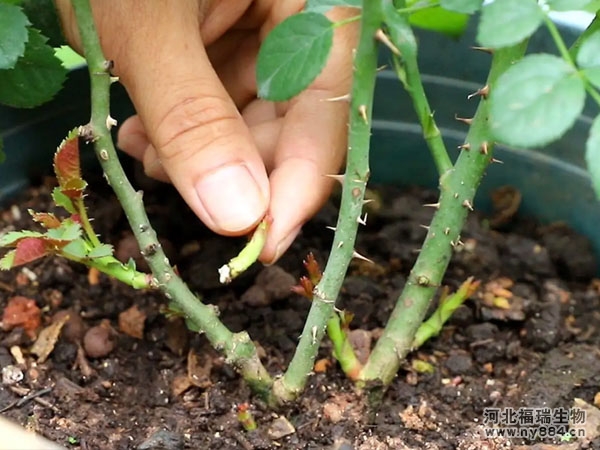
column 192, row 124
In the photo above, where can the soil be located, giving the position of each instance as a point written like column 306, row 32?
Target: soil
column 528, row 339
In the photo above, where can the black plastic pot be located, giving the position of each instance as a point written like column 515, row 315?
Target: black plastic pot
column 552, row 180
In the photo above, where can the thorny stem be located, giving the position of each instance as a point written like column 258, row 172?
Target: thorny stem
column 407, row 69
column 85, row 223
column 355, row 179
column 238, row 348
column 458, row 187
column 114, row 268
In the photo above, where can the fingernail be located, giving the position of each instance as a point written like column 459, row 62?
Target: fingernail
column 284, row 244
column 231, row 197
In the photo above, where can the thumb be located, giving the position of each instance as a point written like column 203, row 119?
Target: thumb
column 192, row 125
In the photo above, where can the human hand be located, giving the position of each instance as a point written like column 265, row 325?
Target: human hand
column 189, row 69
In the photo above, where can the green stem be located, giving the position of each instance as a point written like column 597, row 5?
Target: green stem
column 116, row 269
column 355, row 180
column 238, row 347
column 558, row 40
column 342, row 348
column 433, row 326
column 407, row 69
column 85, row 223
column 458, row 187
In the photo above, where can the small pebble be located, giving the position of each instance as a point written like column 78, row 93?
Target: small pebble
column 98, row 342
column 280, row 427
column 459, row 363
column 11, row 375
column 163, row 440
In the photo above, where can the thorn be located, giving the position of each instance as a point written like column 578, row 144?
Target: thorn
column 362, row 110
column 483, row 49
column 465, row 146
column 334, row 229
column 385, row 40
column 340, row 244
column 114, row 79
column 339, row 178
column 484, row 149
column 467, row 204
column 424, row 226
column 416, row 250
column 447, row 231
column 110, row 122
column 484, row 92
column 362, row 220
column 455, row 195
column 464, row 120
column 340, row 98
column 368, row 200
column 432, row 205
column 108, row 65
column 357, row 255
column 494, row 160
column 381, row 68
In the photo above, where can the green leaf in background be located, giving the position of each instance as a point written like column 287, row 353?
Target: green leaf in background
column 440, row 20
column 36, row 78
column 592, row 154
column 293, row 55
column 322, row 6
column 568, row 5
column 508, row 22
column 588, row 58
column 44, row 17
column 535, row 101
column 461, row 6
column 13, row 35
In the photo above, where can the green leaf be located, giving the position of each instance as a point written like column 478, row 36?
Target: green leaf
column 589, row 52
column 293, row 55
column 588, row 58
column 12, row 237
column 437, row 19
column 76, row 248
column 7, row 261
column 568, row 5
column 36, row 78
column 535, row 101
column 62, row 200
column 101, row 251
column 69, row 230
column 508, row 22
column 13, row 35
column 461, row 6
column 592, row 154
column 322, row 6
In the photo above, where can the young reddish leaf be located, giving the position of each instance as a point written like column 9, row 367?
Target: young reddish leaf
column 312, row 268
column 29, row 249
column 60, row 199
column 305, row 288
column 67, row 167
column 47, row 220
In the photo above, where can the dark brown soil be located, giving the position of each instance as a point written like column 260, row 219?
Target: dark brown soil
column 543, row 351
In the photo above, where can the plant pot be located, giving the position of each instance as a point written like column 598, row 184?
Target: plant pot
column 553, row 181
